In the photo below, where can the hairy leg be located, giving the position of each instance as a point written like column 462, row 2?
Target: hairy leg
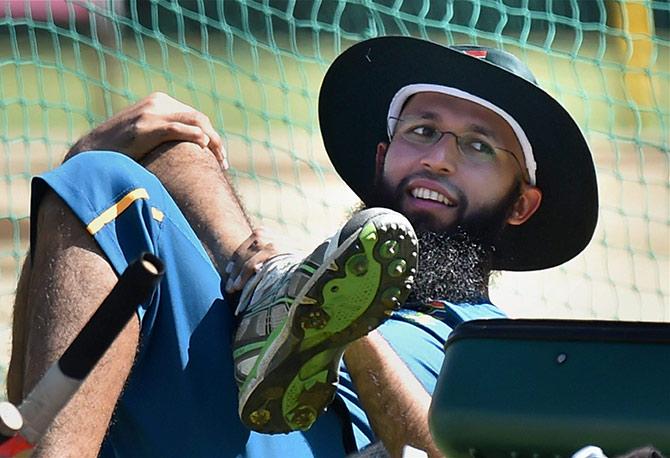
column 19, row 335
column 204, row 195
column 68, row 278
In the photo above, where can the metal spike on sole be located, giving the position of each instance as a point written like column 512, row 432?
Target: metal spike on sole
column 303, row 416
column 260, row 417
column 388, row 249
column 397, row 267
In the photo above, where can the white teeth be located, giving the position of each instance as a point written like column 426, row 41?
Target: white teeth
column 428, row 194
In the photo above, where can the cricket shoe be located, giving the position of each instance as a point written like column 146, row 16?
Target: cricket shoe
column 298, row 316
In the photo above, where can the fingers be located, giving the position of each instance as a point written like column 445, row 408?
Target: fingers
column 245, row 271
column 248, row 260
column 171, row 120
column 174, row 131
column 210, row 137
column 156, row 119
column 239, row 261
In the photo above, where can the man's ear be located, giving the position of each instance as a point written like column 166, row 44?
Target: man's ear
column 380, row 158
column 526, row 205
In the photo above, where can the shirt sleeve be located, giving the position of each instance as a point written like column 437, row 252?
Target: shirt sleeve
column 418, row 339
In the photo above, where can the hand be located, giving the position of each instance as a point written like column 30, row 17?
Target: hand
column 154, row 120
column 248, row 259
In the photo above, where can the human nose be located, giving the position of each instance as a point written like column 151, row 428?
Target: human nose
column 443, row 155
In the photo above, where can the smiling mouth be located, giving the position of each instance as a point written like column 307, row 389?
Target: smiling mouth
column 429, row 194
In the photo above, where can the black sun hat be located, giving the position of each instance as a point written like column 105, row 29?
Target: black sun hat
column 354, row 103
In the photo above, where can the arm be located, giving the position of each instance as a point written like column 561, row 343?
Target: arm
column 394, row 400
column 180, row 146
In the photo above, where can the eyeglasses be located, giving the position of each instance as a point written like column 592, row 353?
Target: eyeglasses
column 473, row 145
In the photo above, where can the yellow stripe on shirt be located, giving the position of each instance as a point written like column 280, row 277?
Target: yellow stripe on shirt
column 157, row 214
column 115, row 210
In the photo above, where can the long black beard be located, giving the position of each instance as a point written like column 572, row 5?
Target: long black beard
column 454, row 267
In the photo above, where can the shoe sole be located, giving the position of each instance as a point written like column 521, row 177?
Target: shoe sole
column 366, row 279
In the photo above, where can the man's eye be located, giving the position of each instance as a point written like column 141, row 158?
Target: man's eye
column 481, row 147
column 424, row 131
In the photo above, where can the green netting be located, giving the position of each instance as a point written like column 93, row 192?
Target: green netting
column 255, row 68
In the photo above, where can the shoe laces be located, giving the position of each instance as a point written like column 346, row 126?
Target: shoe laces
column 274, row 275
column 269, row 279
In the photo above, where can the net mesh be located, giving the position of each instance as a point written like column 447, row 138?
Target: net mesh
column 254, row 67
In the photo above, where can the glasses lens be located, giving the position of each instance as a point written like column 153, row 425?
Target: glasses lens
column 419, row 131
column 476, row 148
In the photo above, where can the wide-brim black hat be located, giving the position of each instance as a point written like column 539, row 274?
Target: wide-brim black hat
column 353, row 106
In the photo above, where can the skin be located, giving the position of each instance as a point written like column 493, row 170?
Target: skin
column 386, row 387
column 442, row 168
column 51, row 304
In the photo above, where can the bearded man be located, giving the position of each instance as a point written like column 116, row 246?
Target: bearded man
column 464, row 164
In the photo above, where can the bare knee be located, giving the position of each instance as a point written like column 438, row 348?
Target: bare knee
column 169, row 158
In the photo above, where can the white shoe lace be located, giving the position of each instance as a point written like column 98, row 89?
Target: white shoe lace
column 272, row 272
column 268, row 277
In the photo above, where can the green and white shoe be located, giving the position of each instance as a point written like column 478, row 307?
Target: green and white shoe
column 298, row 316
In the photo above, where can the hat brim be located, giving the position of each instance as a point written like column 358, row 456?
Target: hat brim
column 353, row 104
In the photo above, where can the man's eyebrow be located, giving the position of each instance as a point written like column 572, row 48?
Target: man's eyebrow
column 476, row 128
column 485, row 131
column 423, row 115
